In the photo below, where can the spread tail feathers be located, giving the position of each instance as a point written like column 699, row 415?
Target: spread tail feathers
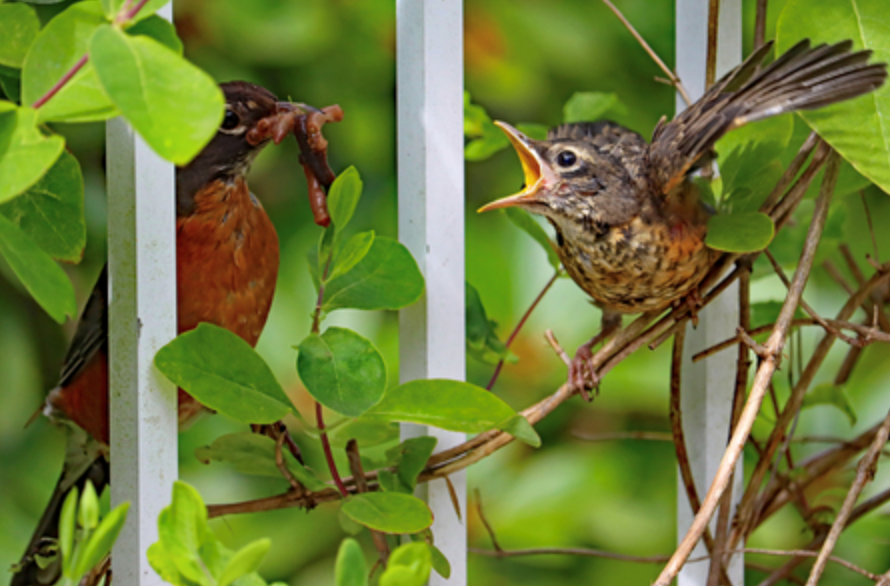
column 802, row 78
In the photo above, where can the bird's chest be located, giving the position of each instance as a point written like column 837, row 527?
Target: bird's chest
column 640, row 266
column 227, row 262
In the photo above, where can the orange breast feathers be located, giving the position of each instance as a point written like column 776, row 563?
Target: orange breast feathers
column 227, row 261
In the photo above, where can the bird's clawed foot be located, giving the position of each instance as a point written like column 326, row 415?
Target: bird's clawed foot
column 582, row 374
column 693, row 302
column 275, row 431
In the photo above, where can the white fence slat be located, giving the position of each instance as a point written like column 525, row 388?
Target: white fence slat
column 431, row 225
column 708, row 386
column 142, row 318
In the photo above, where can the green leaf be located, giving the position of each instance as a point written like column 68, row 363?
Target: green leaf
column 767, row 312
column 368, row 432
column 857, row 129
column 343, row 197
column 58, row 47
column 342, row 370
column 51, row 211
column 355, row 249
column 833, row 395
column 19, row 26
column 412, row 456
column 386, row 278
column 67, row 527
column 452, row 405
column 25, row 153
column 409, row 565
column 113, row 7
column 351, row 568
column 254, row 454
column 159, row 29
column 527, row 224
column 440, row 562
column 41, row 276
column 224, row 373
column 347, row 524
column 483, row 343
column 389, row 512
column 742, row 232
column 173, row 105
column 11, row 84
column 182, row 528
column 483, row 148
column 389, row 482
column 591, row 106
column 162, row 562
column 102, row 539
column 88, row 513
column 245, row 561
column 533, row 131
column 488, row 138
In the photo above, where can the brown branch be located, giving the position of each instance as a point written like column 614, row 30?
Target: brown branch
column 654, row 436
column 328, row 454
column 775, row 344
column 865, row 473
column 711, row 56
column 361, row 485
column 760, row 24
column 515, row 332
column 675, row 81
column 282, row 466
column 486, row 524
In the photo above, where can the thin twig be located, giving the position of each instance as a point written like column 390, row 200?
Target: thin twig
column 675, row 81
column 361, row 485
column 488, row 527
column 760, row 24
column 711, row 56
column 607, row 436
column 515, row 332
column 871, row 227
column 764, row 373
column 282, row 466
column 328, row 454
column 865, row 473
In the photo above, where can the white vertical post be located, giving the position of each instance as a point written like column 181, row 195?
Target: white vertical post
column 142, row 318
column 708, row 386
column 431, row 225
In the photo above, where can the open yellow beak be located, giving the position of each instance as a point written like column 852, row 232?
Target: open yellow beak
column 536, row 171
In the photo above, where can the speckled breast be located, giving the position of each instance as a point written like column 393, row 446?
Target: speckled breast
column 637, row 267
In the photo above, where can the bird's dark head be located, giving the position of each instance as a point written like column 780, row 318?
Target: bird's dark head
column 249, row 123
column 566, row 178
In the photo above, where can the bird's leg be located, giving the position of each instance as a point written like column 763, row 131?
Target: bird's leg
column 274, row 431
column 582, row 374
column 693, row 302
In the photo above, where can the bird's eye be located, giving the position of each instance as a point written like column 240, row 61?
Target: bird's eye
column 231, row 120
column 566, row 159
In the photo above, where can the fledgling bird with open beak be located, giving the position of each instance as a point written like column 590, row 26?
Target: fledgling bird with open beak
column 630, row 225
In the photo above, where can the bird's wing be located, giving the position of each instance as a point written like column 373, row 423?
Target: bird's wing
column 91, row 335
column 800, row 79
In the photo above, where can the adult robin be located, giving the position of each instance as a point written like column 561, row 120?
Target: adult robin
column 226, row 269
column 630, row 225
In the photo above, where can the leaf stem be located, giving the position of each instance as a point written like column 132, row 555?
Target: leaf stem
column 328, row 454
column 135, row 10
column 61, row 83
column 316, row 321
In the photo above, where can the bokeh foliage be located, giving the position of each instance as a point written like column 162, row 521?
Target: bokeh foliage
column 524, row 60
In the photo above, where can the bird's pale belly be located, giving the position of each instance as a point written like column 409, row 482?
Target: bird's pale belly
column 636, row 268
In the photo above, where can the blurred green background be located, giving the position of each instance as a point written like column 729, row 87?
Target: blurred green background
column 524, row 59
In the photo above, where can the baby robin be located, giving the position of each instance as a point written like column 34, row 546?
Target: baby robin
column 630, row 225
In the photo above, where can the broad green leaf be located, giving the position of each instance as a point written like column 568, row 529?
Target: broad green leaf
column 25, row 153
column 224, row 373
column 475, row 117
column 351, row 568
column 41, row 276
column 742, row 232
column 50, row 212
column 452, row 405
column 58, row 47
column 19, row 26
column 389, row 512
column 88, row 511
column 254, row 454
column 173, row 105
column 533, row 131
column 857, row 129
column 483, row 343
column 159, row 29
column 527, row 224
column 409, row 565
column 162, row 562
column 389, row 482
column 368, row 432
column 11, row 84
column 440, row 562
column 833, row 395
column 112, row 8
column 182, row 528
column 100, row 542
column 386, row 278
column 342, row 370
column 347, row 524
column 245, row 561
column 487, row 139
column 67, row 527
column 343, row 197
column 351, row 253
column 412, row 456
column 591, row 106
column 749, row 192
